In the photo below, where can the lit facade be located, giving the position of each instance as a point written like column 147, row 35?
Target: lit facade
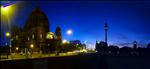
column 35, row 33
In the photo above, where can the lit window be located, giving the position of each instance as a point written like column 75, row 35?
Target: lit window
column 28, row 38
column 17, row 48
column 33, row 36
column 16, row 37
column 11, row 39
column 41, row 36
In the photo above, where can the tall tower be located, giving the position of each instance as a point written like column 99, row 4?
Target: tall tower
column 134, row 45
column 106, row 29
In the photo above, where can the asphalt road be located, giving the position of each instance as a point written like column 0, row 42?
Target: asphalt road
column 87, row 61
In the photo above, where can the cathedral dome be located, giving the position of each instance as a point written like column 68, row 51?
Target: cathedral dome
column 37, row 19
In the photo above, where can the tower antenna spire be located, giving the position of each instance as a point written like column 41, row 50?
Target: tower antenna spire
column 106, row 29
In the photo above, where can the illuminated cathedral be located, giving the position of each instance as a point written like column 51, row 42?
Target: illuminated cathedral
column 35, row 35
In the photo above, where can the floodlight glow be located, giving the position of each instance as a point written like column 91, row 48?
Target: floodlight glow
column 65, row 41
column 17, row 48
column 7, row 34
column 69, row 32
column 31, row 46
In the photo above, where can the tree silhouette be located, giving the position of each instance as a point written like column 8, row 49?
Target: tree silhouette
column 102, row 46
column 125, row 50
column 113, row 49
column 148, row 45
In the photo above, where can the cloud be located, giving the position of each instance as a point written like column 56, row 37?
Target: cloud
column 121, row 36
column 125, row 44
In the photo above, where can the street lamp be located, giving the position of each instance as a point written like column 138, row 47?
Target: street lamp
column 69, row 32
column 5, row 11
column 7, row 34
column 17, row 48
column 31, row 46
column 8, row 8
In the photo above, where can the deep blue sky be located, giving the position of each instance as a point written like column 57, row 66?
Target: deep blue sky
column 127, row 20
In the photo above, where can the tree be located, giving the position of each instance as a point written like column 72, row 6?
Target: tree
column 67, row 47
column 125, row 50
column 113, row 48
column 83, row 46
column 148, row 49
column 148, row 45
column 102, row 46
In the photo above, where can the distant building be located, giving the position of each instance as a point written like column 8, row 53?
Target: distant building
column 75, row 42
column 134, row 45
column 148, row 45
column 78, row 44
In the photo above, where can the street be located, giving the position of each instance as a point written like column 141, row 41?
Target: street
column 86, row 61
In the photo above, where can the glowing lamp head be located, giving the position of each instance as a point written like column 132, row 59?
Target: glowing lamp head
column 17, row 48
column 4, row 8
column 7, row 34
column 31, row 46
column 69, row 32
column 8, row 9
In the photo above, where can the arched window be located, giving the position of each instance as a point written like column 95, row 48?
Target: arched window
column 16, row 37
column 28, row 38
column 41, row 36
column 32, row 36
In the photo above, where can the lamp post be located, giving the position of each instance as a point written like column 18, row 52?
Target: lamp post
column 17, row 49
column 31, row 46
column 7, row 34
column 6, row 9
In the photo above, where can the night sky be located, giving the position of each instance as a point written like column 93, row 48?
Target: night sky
column 127, row 20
